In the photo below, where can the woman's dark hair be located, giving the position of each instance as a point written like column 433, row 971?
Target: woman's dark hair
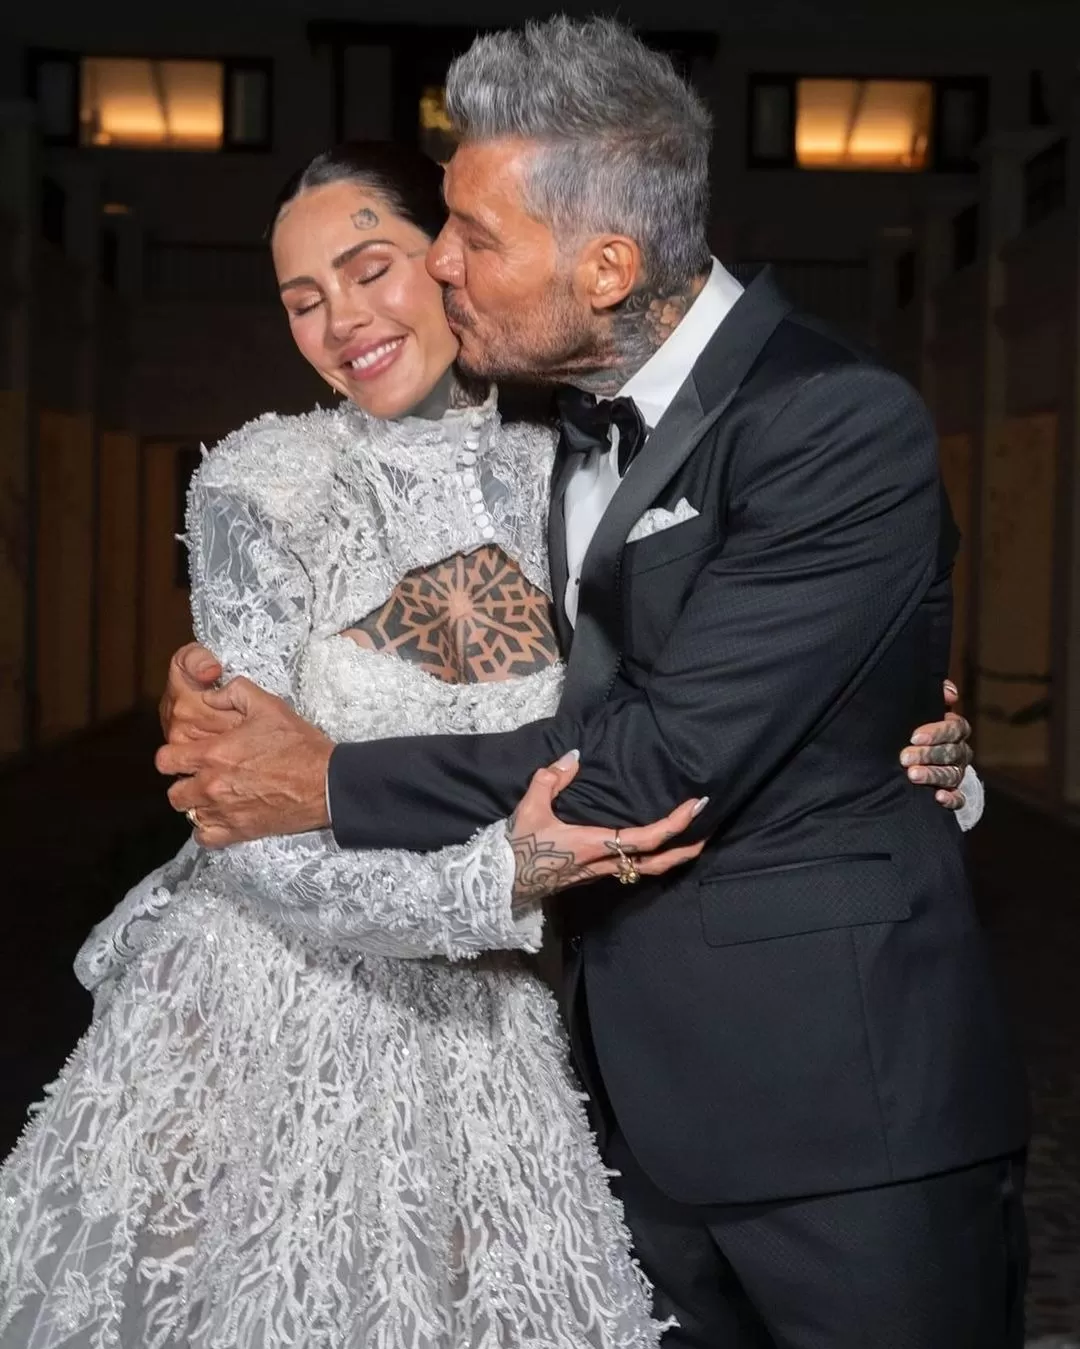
column 408, row 181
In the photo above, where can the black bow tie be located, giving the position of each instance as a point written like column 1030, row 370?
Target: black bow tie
column 587, row 422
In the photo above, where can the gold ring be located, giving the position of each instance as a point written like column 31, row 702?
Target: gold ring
column 193, row 818
column 628, row 874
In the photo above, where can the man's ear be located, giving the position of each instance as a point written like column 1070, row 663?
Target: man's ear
column 609, row 268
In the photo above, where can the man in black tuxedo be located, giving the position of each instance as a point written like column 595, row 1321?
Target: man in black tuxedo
column 794, row 1046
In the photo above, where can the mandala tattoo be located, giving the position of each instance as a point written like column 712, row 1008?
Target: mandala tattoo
column 470, row 619
column 364, row 219
column 541, row 869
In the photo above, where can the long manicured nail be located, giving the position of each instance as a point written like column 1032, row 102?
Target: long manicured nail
column 703, row 801
column 951, row 688
column 909, row 757
column 920, row 738
column 569, row 759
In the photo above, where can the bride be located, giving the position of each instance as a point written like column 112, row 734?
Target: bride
column 323, row 1101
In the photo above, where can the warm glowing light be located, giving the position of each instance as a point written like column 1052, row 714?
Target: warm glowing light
column 437, row 137
column 142, row 103
column 195, row 100
column 116, row 208
column 863, row 124
column 433, row 116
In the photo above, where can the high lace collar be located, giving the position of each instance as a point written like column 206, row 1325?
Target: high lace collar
column 428, row 444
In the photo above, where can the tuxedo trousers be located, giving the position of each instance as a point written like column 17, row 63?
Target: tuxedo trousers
column 935, row 1263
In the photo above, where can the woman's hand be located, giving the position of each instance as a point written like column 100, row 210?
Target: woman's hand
column 550, row 855
column 184, row 716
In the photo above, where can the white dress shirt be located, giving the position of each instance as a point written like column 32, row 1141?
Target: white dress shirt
column 594, row 481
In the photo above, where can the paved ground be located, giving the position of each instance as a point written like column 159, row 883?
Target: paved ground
column 84, row 822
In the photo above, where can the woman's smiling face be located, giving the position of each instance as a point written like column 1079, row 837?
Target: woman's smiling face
column 362, row 307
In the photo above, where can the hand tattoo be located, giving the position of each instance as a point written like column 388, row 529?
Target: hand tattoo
column 364, row 219
column 540, row 869
column 950, row 755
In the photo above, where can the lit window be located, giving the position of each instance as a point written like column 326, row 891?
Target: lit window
column 437, row 137
column 891, row 125
column 142, row 103
column 863, row 124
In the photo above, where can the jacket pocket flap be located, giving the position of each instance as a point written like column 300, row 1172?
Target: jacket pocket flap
column 805, row 897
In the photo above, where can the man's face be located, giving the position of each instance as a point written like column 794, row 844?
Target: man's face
column 511, row 297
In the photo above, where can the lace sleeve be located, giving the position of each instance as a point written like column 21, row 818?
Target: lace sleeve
column 251, row 600
column 250, row 594
column 455, row 903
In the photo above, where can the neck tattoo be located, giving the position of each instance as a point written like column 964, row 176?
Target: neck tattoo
column 636, row 330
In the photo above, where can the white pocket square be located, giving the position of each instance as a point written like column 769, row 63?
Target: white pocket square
column 652, row 522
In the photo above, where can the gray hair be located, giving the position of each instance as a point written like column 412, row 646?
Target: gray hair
column 623, row 142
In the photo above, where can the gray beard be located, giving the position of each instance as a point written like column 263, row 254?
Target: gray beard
column 606, row 353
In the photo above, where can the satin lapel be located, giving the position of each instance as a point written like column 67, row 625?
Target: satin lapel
column 701, row 401
column 556, row 533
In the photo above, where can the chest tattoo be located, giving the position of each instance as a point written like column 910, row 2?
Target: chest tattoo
column 469, row 619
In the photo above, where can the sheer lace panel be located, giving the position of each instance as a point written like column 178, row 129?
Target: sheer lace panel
column 472, row 618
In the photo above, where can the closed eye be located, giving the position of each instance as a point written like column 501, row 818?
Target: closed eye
column 369, row 277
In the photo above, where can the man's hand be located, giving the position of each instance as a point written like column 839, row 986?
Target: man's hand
column 266, row 776
column 942, row 753
column 183, row 711
column 550, row 856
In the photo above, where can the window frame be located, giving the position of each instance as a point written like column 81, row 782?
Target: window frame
column 36, row 58
column 231, row 67
column 789, row 83
column 936, row 161
column 979, row 85
column 242, row 65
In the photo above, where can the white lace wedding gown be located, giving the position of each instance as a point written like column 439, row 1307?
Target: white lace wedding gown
column 322, row 1103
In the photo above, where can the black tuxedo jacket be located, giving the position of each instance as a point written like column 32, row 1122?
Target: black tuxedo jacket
column 808, row 1007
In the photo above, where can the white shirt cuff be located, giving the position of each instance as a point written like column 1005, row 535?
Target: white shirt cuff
column 970, row 813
